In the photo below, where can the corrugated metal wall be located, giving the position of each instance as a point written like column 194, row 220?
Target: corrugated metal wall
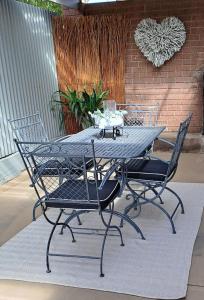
column 27, row 68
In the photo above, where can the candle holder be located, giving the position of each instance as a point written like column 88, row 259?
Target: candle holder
column 112, row 132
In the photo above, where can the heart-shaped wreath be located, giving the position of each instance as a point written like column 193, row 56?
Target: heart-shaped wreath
column 159, row 42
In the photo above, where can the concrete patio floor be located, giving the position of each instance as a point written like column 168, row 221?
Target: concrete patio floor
column 16, row 201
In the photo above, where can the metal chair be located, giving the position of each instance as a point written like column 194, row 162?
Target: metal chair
column 140, row 114
column 154, row 174
column 29, row 129
column 81, row 190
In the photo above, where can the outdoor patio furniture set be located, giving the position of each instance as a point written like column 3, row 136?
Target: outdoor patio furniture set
column 84, row 173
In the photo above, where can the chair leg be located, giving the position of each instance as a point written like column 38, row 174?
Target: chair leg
column 126, row 210
column 78, row 219
column 167, row 214
column 156, row 193
column 153, row 190
column 49, row 241
column 152, row 201
column 102, row 250
column 115, row 213
column 37, row 203
column 107, row 225
column 120, row 233
column 73, row 238
column 111, row 208
column 178, row 198
column 74, row 214
column 128, row 220
column 51, row 234
column 134, row 204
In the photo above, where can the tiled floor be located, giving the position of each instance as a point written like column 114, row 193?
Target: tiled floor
column 16, row 201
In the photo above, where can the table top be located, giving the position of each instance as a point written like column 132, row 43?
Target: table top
column 131, row 143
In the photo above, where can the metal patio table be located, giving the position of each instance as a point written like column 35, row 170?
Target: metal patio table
column 132, row 142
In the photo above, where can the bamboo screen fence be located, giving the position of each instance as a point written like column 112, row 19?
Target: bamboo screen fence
column 90, row 49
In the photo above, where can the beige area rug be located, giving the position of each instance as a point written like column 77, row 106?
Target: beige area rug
column 157, row 267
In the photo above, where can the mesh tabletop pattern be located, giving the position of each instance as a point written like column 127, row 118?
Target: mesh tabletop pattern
column 131, row 143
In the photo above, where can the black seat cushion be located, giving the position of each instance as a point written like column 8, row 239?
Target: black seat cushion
column 51, row 167
column 73, row 194
column 147, row 169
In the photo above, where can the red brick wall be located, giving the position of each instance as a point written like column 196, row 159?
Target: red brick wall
column 177, row 85
column 71, row 12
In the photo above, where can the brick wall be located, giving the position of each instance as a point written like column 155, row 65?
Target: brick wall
column 71, row 12
column 177, row 85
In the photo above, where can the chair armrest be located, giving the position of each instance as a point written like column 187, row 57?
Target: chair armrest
column 166, row 141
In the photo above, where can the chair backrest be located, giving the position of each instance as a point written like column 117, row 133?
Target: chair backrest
column 183, row 129
column 29, row 128
column 61, row 166
column 140, row 114
column 24, row 149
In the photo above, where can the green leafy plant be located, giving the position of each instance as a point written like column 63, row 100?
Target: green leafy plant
column 45, row 4
column 79, row 103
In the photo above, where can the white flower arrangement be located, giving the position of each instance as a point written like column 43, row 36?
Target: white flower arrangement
column 108, row 119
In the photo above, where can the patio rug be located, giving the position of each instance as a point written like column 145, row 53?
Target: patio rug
column 157, row 267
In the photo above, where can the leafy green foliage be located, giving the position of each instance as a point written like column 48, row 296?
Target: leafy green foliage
column 45, row 4
column 79, row 103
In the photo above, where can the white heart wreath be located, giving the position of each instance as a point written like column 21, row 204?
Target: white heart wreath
column 159, row 42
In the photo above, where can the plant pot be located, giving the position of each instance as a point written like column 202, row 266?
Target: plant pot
column 70, row 124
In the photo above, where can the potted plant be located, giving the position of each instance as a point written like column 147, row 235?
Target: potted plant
column 79, row 103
